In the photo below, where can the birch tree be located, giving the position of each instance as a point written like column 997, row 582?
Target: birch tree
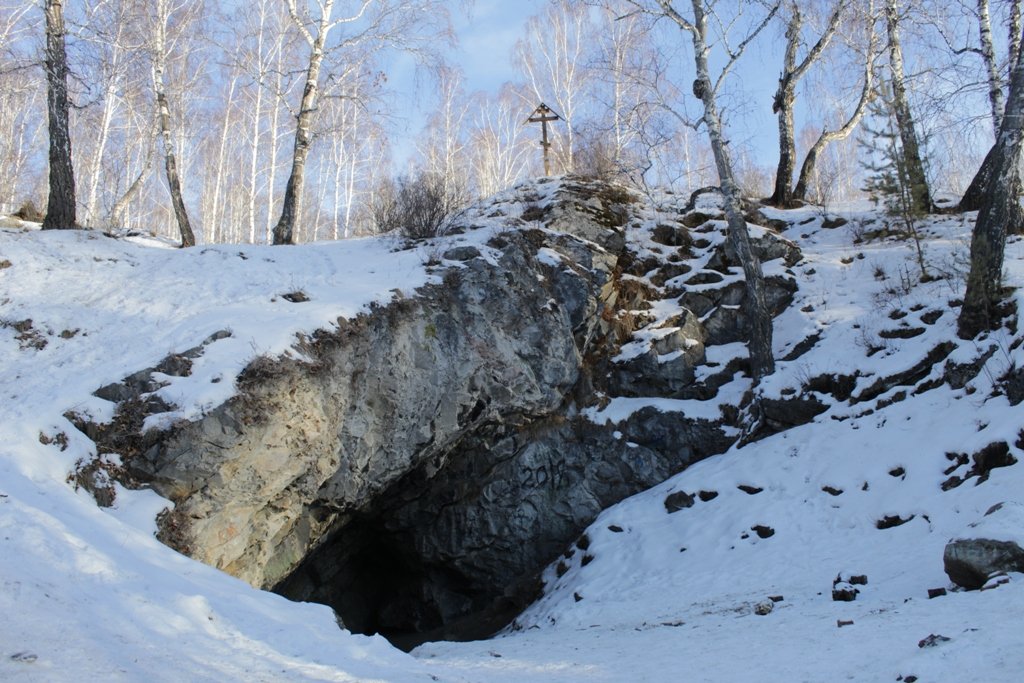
column 552, row 59
column 785, row 96
column 867, row 57
column 113, row 48
column 909, row 142
column 501, row 148
column 625, row 120
column 164, row 13
column 987, row 51
column 981, row 307
column 706, row 89
column 21, row 96
column 445, row 147
column 316, row 38
column 371, row 26
column 60, row 207
column 986, row 174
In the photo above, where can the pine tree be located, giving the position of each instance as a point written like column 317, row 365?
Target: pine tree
column 889, row 183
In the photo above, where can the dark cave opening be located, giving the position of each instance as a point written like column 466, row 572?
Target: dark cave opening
column 454, row 550
column 378, row 583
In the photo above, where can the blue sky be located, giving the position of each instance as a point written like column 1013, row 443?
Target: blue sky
column 486, row 31
column 486, row 35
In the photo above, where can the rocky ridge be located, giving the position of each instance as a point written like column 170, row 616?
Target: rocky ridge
column 417, row 466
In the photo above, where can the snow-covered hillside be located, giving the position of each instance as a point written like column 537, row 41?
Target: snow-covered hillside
column 647, row 595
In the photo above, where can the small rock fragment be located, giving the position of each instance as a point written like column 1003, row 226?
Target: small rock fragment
column 995, row 581
column 890, row 521
column 764, row 607
column 679, row 500
column 936, row 592
column 932, row 640
column 843, row 586
column 844, row 592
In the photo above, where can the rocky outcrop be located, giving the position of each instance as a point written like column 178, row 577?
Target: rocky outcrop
column 417, row 466
column 990, row 546
column 259, row 480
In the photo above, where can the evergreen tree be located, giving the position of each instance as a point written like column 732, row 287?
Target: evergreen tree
column 890, row 183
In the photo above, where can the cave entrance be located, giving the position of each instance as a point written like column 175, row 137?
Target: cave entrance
column 377, row 582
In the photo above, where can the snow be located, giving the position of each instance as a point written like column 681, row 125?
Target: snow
column 89, row 594
column 1006, row 524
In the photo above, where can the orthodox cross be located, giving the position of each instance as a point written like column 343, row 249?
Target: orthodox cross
column 542, row 115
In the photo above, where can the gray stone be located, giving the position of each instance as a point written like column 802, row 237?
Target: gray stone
column 722, row 309
column 991, row 545
column 933, row 640
column 464, row 253
column 667, row 367
column 680, row 500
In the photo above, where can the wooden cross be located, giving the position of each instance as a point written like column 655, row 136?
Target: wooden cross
column 542, row 115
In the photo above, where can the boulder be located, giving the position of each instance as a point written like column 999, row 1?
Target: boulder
column 993, row 544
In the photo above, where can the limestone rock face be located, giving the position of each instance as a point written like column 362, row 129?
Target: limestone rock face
column 306, row 442
column 416, row 467
column 666, row 365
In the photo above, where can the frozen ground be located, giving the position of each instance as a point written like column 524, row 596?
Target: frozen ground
column 88, row 594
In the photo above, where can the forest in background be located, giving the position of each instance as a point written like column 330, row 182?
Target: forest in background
column 618, row 72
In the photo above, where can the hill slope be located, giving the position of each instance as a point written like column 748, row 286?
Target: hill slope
column 648, row 595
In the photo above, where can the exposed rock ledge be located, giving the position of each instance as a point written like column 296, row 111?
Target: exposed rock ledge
column 421, row 463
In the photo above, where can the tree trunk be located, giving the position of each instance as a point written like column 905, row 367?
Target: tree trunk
column 188, row 238
column 783, row 107
column 292, row 201
column 1015, row 33
column 759, row 320
column 212, row 214
column 988, row 55
column 285, row 228
column 60, row 206
column 975, row 193
column 807, row 170
column 274, row 132
column 96, row 167
column 163, row 114
column 783, row 194
column 114, row 220
column 999, row 208
column 920, row 193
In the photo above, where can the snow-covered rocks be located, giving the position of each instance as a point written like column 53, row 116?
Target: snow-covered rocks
column 844, row 587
